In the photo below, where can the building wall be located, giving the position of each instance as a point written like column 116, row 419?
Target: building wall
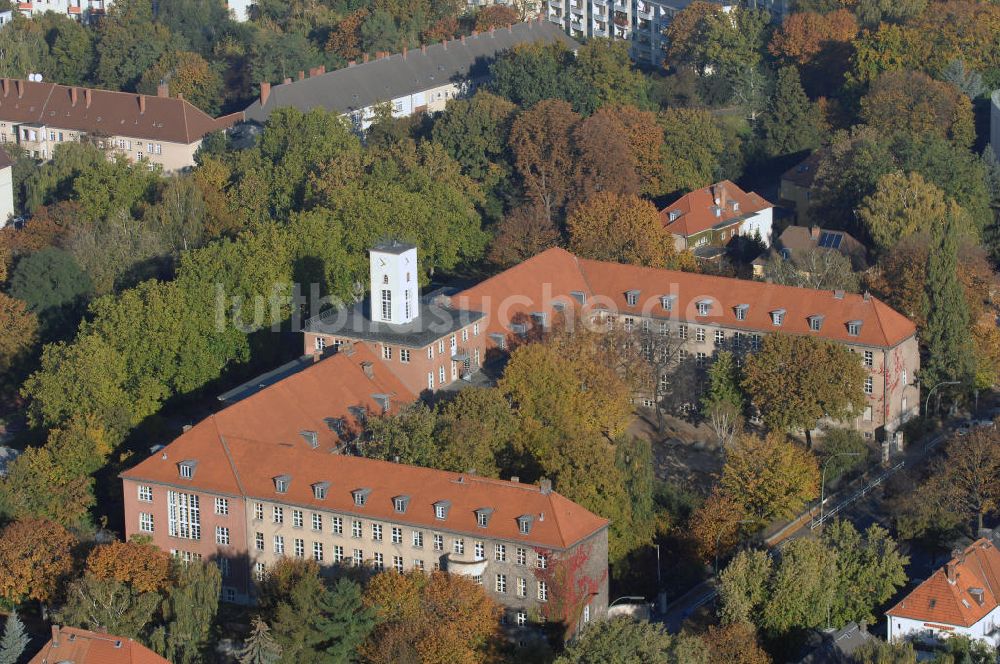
column 6, row 195
column 432, row 100
column 720, row 236
column 799, row 197
column 759, row 222
column 987, row 629
column 77, row 9
column 995, row 122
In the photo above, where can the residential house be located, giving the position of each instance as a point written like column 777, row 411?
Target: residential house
column 70, row 645
column 962, row 598
column 796, row 185
column 795, row 241
column 415, row 81
column 6, row 188
column 706, row 314
column 427, row 345
column 161, row 129
column 85, row 10
column 267, row 478
column 709, row 218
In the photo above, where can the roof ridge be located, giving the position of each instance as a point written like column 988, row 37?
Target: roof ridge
column 45, row 104
column 229, row 458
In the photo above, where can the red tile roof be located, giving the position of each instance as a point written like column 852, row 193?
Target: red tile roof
column 537, row 284
column 948, row 601
column 81, row 646
column 240, row 450
column 697, row 210
column 110, row 113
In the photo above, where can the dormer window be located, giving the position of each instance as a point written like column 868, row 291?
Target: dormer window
column 674, row 215
column 400, row 503
column 361, row 496
column 320, row 489
column 816, row 322
column 519, row 329
column 186, row 468
column 483, row 515
column 579, row 296
column 312, row 438
column 632, row 297
column 335, row 424
column 854, row 328
column 441, row 508
column 735, row 205
column 667, row 302
column 704, row 306
column 741, row 311
column 539, row 318
column 524, row 524
column 282, row 482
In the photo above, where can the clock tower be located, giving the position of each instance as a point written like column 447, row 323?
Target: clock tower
column 394, row 292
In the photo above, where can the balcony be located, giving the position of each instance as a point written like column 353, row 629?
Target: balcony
column 600, row 32
column 555, row 18
column 464, row 565
column 644, row 10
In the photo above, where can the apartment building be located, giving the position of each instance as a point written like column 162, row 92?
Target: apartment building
column 161, row 129
column 427, row 345
column 707, row 219
column 706, row 314
column 415, row 81
column 84, row 10
column 265, row 478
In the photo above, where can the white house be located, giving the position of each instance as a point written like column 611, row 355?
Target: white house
column 961, row 598
column 712, row 216
column 6, row 188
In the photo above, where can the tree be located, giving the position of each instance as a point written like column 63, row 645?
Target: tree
column 525, row 231
column 496, row 16
column 345, row 622
column 187, row 74
column 71, row 49
column 693, row 144
column 24, row 48
column 128, row 44
column 18, row 335
column 715, row 526
column 770, row 478
column 792, row 123
column 736, row 643
column 815, row 267
column 14, row 640
column 604, row 160
column 870, row 570
column 969, row 81
column 541, row 140
column 838, row 441
column 801, row 595
column 620, row 228
column 715, row 41
column 620, row 640
column 877, row 651
column 743, row 587
column 406, row 436
column 913, row 102
column 873, row 12
column 188, row 613
column 804, row 35
column 106, row 604
column 35, row 556
column 54, row 288
column 477, row 429
column 723, row 401
column 607, row 75
column 966, row 480
column 260, row 648
column 949, row 348
column 475, row 132
column 142, row 565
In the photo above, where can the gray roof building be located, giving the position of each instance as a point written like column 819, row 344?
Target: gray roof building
column 362, row 85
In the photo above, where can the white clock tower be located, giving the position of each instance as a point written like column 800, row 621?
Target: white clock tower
column 394, row 294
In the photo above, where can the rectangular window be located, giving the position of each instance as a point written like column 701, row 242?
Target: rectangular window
column 418, row 564
column 458, row 546
column 404, row 355
column 277, row 514
column 699, row 334
column 319, row 343
column 501, row 585
column 682, row 331
column 338, row 553
column 296, row 518
column 386, row 305
column 430, row 352
column 441, row 375
column 480, row 551
column 386, row 352
column 522, row 618
column 300, row 548
column 355, row 528
column 541, row 561
column 258, row 571
column 869, row 385
column 258, row 541
column 720, row 337
column 397, row 535
column 869, row 358
column 438, row 543
column 700, row 359
column 145, row 522
column 279, row 545
column 222, row 535
column 145, row 494
column 338, row 525
column 379, row 563
column 441, row 347
column 397, row 563
column 430, row 380
column 258, row 511
column 358, row 558
column 543, row 591
column 475, row 329
column 318, row 551
column 465, row 335
column 317, row 522
column 221, row 506
column 377, row 532
column 418, row 539
column 183, row 515
column 522, row 587
column 522, row 555
column 500, row 553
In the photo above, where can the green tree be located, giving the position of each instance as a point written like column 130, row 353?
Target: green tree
column 106, row 604
column 474, row 132
column 188, row 613
column 743, row 587
column 770, row 478
column 530, row 73
column 836, row 442
column 24, row 48
column 71, row 49
column 260, row 648
column 870, row 569
column 128, row 44
column 14, row 640
column 723, row 401
column 345, row 622
column 608, row 76
column 620, row 640
column 693, row 144
column 54, row 288
column 792, row 123
column 802, row 595
column 714, row 41
column 949, row 349
column 795, row 381
column 407, row 436
column 477, row 429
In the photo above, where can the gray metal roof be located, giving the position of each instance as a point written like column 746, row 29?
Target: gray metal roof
column 393, row 247
column 364, row 84
column 433, row 322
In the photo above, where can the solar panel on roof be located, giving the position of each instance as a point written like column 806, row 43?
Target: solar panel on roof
column 830, row 240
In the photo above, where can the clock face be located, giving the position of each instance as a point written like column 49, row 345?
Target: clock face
column 381, row 262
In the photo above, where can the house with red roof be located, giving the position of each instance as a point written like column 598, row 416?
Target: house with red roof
column 962, row 598
column 707, row 219
column 70, row 645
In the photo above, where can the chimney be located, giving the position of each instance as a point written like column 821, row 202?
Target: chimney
column 510, row 28
column 19, row 84
column 322, row 69
column 545, row 486
column 369, row 370
column 814, row 232
column 87, row 95
column 867, row 296
column 6, row 86
column 302, row 75
column 475, row 33
column 351, row 63
column 515, row 479
column 463, row 39
column 55, row 636
column 950, row 572
column 404, row 52
column 493, row 30
column 72, row 96
column 347, row 348
column 142, row 104
column 423, row 48
column 444, row 44
column 265, row 92
column 366, row 57
column 163, row 89
column 288, row 79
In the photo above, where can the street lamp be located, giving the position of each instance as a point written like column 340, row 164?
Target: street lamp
column 927, row 401
column 822, row 482
column 718, row 538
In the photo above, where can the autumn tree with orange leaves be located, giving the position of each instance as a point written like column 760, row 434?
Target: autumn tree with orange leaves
column 141, row 564
column 622, row 229
column 36, row 555
column 804, row 35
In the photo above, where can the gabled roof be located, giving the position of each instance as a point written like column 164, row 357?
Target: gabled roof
column 709, row 207
column 551, row 276
column 170, row 119
column 70, row 645
column 945, row 597
column 364, row 84
column 803, row 174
